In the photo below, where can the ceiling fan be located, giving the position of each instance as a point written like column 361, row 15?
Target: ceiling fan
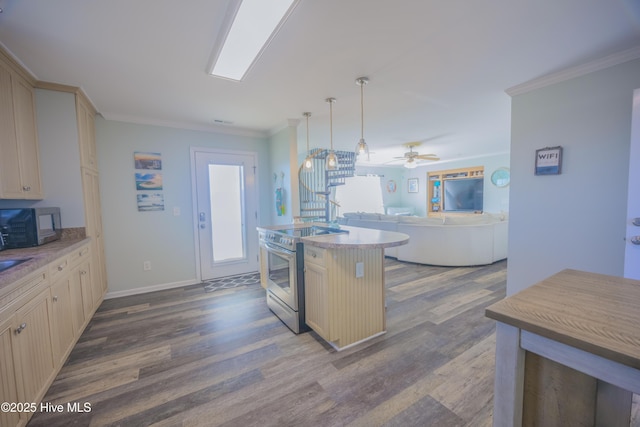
column 411, row 157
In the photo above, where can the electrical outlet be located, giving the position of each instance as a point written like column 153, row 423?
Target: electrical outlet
column 146, row 266
column 359, row 270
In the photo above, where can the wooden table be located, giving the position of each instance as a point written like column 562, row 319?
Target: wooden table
column 568, row 352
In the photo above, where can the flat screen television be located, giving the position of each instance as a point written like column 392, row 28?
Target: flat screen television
column 463, row 195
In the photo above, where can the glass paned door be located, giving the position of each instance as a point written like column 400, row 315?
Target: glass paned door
column 226, row 213
column 226, row 186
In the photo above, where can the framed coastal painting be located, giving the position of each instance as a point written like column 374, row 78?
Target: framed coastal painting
column 412, row 185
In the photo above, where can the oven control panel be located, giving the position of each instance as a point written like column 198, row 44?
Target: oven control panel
column 275, row 238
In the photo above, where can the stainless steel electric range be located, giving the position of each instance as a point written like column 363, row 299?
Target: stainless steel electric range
column 284, row 251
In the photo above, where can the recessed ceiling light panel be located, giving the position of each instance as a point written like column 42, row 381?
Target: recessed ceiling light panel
column 250, row 26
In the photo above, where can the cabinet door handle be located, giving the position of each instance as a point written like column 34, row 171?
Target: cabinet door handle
column 60, row 267
column 21, row 328
column 82, row 273
column 55, row 298
column 635, row 240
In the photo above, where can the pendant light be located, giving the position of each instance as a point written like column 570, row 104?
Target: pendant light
column 308, row 161
column 332, row 159
column 361, row 147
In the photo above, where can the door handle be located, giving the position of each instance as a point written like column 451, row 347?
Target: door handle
column 202, row 217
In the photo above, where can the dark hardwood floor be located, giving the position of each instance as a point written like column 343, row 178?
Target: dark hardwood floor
column 184, row 357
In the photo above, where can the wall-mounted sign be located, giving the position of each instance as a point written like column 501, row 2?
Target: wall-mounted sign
column 549, row 161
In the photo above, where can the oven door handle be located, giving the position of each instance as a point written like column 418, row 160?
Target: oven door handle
column 278, row 250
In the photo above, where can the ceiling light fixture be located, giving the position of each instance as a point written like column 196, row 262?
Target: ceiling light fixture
column 410, row 163
column 332, row 159
column 248, row 28
column 361, row 147
column 308, row 161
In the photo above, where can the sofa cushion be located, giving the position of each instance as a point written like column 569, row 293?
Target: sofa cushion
column 467, row 219
column 401, row 210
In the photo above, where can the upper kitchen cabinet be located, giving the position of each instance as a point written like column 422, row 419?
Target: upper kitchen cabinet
column 87, row 133
column 20, row 160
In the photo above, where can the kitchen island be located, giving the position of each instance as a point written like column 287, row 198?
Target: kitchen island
column 568, row 352
column 344, row 284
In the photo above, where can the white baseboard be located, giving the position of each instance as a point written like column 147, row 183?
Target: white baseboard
column 147, row 289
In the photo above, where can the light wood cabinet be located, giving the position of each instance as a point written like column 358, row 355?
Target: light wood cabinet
column 91, row 192
column 63, row 331
column 86, row 133
column 316, row 287
column 344, row 303
column 93, row 218
column 41, row 318
column 34, row 347
column 20, row 160
column 81, row 293
column 8, row 385
column 264, row 267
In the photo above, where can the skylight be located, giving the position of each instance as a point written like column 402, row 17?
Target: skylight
column 254, row 25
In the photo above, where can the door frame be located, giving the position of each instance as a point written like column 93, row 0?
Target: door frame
column 194, row 195
column 632, row 252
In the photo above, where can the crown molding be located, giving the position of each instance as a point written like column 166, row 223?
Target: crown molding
column 282, row 126
column 227, row 130
column 577, row 71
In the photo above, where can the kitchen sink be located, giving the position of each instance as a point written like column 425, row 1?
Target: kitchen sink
column 6, row 264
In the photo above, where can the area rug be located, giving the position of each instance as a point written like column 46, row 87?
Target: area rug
column 231, row 282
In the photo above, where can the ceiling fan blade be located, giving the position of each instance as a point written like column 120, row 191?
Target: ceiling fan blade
column 427, row 157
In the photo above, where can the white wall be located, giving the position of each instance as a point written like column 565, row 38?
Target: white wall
column 59, row 157
column 576, row 219
column 132, row 237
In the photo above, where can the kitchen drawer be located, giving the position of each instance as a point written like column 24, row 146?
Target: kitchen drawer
column 315, row 255
column 78, row 255
column 22, row 291
column 58, row 268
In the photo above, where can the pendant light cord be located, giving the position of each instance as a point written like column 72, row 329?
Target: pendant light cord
column 362, row 111
column 331, row 122
column 307, row 114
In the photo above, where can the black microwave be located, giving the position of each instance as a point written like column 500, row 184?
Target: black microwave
column 25, row 227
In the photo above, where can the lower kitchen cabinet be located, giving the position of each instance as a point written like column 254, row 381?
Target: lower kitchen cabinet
column 8, row 385
column 62, row 331
column 34, row 347
column 39, row 327
column 344, row 294
column 316, row 294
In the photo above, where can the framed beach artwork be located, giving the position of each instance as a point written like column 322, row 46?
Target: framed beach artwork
column 150, row 201
column 148, row 181
column 412, row 185
column 143, row 160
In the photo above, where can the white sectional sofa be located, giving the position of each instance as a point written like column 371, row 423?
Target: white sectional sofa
column 448, row 241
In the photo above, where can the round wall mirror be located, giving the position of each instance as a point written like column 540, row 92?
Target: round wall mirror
column 501, row 177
